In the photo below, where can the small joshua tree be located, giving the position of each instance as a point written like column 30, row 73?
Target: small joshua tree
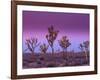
column 64, row 43
column 81, row 47
column 85, row 48
column 32, row 44
column 44, row 48
column 51, row 37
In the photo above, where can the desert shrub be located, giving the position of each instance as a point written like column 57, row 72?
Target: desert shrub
column 41, row 58
column 38, row 62
column 51, row 64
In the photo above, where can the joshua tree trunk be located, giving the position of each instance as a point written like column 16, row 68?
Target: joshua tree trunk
column 52, row 50
column 33, row 51
column 66, row 50
column 63, row 50
column 86, row 55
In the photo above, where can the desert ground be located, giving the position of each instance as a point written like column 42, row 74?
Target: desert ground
column 39, row 60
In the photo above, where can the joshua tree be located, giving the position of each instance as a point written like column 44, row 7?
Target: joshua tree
column 64, row 43
column 44, row 48
column 85, row 48
column 51, row 37
column 32, row 44
column 81, row 47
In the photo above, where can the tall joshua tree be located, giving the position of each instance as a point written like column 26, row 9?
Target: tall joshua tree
column 44, row 48
column 32, row 44
column 85, row 48
column 51, row 37
column 64, row 43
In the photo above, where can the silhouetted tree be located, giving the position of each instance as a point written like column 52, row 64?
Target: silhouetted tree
column 51, row 37
column 86, row 45
column 81, row 47
column 32, row 44
column 64, row 43
column 85, row 48
column 44, row 48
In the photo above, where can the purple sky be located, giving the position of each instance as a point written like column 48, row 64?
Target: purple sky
column 73, row 25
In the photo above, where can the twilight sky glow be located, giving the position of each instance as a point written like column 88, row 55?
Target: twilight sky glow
column 73, row 25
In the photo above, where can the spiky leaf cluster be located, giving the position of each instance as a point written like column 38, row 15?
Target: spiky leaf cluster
column 44, row 48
